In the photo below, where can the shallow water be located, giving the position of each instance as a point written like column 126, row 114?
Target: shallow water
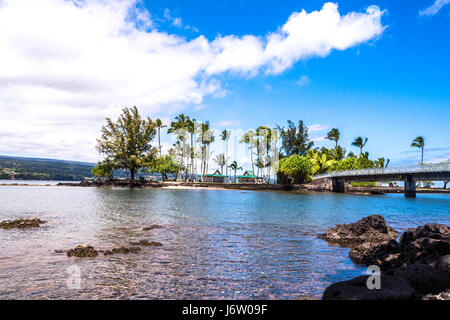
column 216, row 244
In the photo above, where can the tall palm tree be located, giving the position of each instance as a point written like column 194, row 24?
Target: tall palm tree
column 206, row 138
column 159, row 126
column 334, row 135
column 220, row 160
column 419, row 142
column 360, row 143
column 249, row 138
column 178, row 127
column 234, row 166
column 338, row 153
column 191, row 128
column 225, row 136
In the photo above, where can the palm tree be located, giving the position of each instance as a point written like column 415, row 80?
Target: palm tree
column 206, row 138
column 360, row 143
column 382, row 163
column 179, row 128
column 234, row 166
column 334, row 135
column 321, row 163
column 221, row 161
column 419, row 142
column 225, row 136
column 191, row 128
column 248, row 138
column 159, row 126
column 338, row 153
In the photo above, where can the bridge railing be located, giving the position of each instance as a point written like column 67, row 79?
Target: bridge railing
column 426, row 168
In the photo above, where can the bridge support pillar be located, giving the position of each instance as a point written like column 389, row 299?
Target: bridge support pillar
column 410, row 187
column 337, row 185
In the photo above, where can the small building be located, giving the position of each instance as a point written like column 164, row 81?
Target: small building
column 249, row 177
column 215, row 176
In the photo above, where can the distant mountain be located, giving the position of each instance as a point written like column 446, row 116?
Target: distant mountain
column 20, row 168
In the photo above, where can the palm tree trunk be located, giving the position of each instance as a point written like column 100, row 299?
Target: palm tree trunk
column 253, row 166
column 422, row 156
column 159, row 141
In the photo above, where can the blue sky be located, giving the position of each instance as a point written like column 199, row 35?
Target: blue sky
column 390, row 91
column 65, row 66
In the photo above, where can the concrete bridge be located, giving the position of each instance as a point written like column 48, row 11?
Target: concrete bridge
column 429, row 172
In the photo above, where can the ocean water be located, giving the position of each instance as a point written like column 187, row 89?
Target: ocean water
column 216, row 244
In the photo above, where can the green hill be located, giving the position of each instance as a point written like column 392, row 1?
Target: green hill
column 43, row 169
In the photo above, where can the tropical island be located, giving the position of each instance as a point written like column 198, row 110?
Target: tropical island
column 282, row 158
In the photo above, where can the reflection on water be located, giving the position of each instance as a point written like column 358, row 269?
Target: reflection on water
column 216, row 244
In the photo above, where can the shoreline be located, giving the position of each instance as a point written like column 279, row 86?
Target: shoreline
column 305, row 188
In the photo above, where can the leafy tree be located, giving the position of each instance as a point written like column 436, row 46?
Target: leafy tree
column 126, row 142
column 178, row 127
column 159, row 126
column 295, row 140
column 321, row 163
column 338, row 153
column 353, row 163
column 164, row 165
column 249, row 138
column 225, row 136
column 360, row 143
column 206, row 138
column 296, row 169
column 234, row 166
column 419, row 142
column 221, row 161
column 382, row 163
column 104, row 169
column 334, row 135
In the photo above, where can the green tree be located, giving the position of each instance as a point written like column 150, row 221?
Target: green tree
column 234, row 166
column 225, row 136
column 419, row 142
column 321, row 163
column 249, row 138
column 159, row 126
column 164, row 165
column 382, row 163
column 334, row 135
column 360, row 143
column 295, row 140
column 104, row 169
column 178, row 127
column 126, row 142
column 206, row 138
column 191, row 127
column 338, row 153
column 221, row 161
column 296, row 169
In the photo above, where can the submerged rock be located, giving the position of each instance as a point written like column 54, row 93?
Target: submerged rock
column 147, row 243
column 82, row 251
column 22, row 223
column 153, row 226
column 124, row 250
column 371, row 229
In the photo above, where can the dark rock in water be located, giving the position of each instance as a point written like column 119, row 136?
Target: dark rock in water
column 385, row 255
column 420, row 262
column 147, row 243
column 153, row 226
column 22, row 223
column 429, row 244
column 392, row 288
column 369, row 229
column 82, row 251
column 124, row 250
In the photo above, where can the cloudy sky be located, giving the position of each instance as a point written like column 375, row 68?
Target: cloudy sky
column 373, row 68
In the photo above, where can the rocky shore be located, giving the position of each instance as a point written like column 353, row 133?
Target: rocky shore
column 22, row 223
column 415, row 267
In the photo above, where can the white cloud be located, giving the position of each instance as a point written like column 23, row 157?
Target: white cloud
column 66, row 65
column 303, row 81
column 318, row 127
column 434, row 8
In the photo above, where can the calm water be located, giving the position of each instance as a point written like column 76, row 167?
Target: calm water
column 216, row 244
